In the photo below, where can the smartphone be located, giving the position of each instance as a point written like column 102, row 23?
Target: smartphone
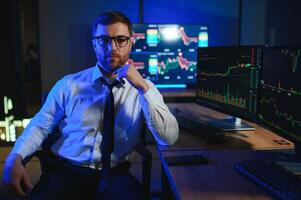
column 186, row 160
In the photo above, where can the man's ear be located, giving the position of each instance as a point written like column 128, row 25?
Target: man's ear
column 94, row 45
column 132, row 42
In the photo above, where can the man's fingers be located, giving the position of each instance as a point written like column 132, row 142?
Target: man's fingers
column 122, row 70
column 15, row 189
column 13, row 175
column 27, row 183
column 121, row 73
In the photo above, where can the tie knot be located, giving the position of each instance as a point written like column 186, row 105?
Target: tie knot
column 110, row 84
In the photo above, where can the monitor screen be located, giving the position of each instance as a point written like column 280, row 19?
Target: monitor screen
column 166, row 53
column 228, row 79
column 280, row 91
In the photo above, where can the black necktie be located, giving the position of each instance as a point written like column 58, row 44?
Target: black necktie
column 107, row 144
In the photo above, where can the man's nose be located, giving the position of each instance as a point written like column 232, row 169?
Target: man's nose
column 112, row 46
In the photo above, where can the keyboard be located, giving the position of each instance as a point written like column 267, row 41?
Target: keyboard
column 277, row 180
column 209, row 133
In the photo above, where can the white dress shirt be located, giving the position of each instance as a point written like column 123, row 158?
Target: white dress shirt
column 76, row 105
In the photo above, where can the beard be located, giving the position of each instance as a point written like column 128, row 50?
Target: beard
column 112, row 61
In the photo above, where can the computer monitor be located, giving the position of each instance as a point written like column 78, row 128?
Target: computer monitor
column 228, row 80
column 280, row 93
column 166, row 53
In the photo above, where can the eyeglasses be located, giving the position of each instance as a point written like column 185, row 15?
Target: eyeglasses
column 120, row 40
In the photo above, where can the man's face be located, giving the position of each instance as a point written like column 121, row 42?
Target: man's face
column 112, row 54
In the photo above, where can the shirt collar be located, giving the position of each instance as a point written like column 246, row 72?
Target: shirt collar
column 97, row 74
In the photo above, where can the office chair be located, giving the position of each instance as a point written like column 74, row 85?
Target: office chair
column 140, row 148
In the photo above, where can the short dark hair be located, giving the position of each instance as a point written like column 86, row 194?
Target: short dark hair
column 108, row 18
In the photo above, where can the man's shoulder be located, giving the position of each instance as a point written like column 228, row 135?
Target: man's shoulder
column 83, row 74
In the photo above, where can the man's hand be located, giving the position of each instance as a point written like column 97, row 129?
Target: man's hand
column 133, row 76
column 15, row 175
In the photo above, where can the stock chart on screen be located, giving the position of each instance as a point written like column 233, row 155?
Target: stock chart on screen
column 279, row 105
column 166, row 53
column 228, row 79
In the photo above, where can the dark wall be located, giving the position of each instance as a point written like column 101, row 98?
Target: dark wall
column 271, row 22
column 283, row 19
column 253, row 22
column 11, row 70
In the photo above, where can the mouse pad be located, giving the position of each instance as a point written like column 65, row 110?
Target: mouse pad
column 186, row 160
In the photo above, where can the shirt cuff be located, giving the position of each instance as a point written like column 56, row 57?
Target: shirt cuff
column 22, row 151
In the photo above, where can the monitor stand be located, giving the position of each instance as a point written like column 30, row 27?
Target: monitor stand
column 231, row 124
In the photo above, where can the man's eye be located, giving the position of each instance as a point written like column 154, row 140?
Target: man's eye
column 120, row 40
column 105, row 40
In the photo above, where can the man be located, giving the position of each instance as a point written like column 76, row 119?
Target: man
column 76, row 104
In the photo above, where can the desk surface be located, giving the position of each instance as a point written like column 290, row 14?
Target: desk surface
column 216, row 180
column 259, row 139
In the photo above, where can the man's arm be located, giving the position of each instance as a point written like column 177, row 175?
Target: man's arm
column 161, row 122
column 15, row 177
column 42, row 123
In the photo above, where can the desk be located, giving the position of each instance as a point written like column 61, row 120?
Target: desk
column 260, row 139
column 218, row 179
